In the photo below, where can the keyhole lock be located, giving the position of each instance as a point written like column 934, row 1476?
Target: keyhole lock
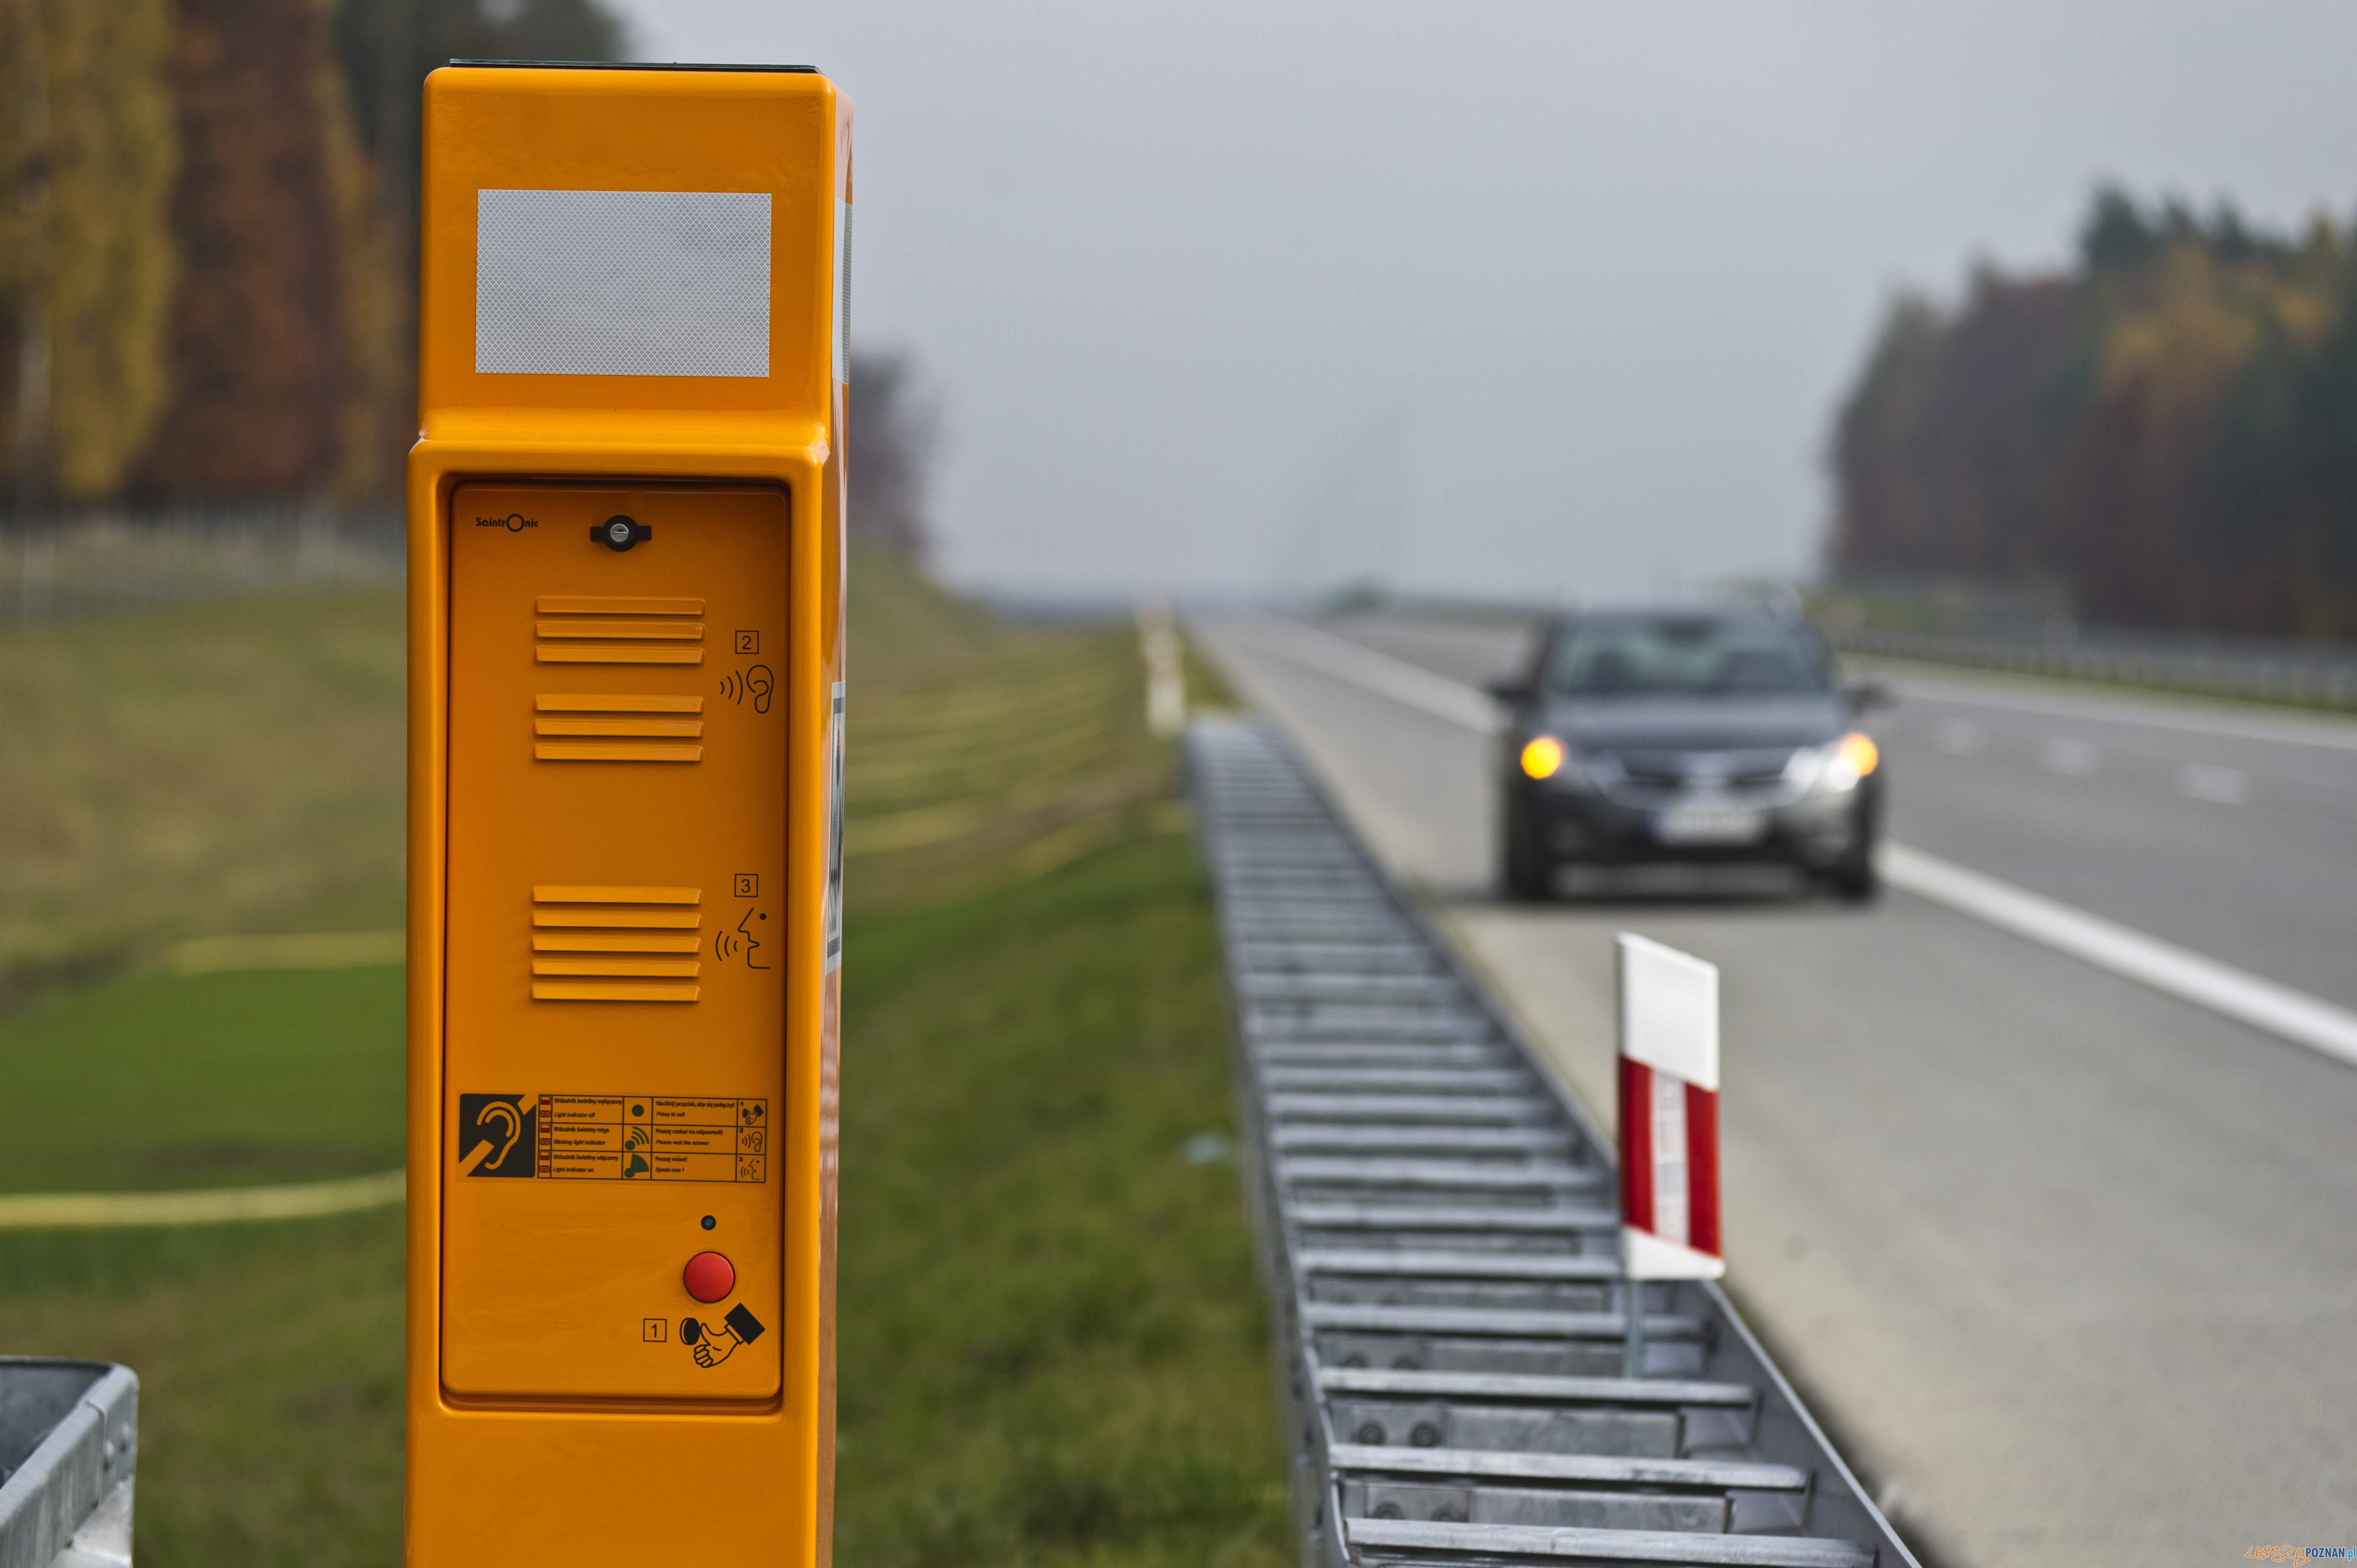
column 620, row 532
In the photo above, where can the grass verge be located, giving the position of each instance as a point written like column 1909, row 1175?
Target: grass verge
column 1052, row 1341
column 229, row 1080
column 225, row 767
column 1051, row 1346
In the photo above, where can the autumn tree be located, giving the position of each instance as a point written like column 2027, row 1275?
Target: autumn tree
column 87, row 155
column 256, row 344
column 208, row 237
column 894, row 433
column 2168, row 428
column 386, row 49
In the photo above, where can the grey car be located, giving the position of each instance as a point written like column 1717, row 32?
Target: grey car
column 1687, row 734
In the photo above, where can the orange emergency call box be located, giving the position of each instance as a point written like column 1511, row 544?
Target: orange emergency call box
column 625, row 521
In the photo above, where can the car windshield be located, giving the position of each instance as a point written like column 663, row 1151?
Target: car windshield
column 1684, row 655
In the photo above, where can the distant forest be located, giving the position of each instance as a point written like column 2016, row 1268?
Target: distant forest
column 2165, row 435
column 208, row 239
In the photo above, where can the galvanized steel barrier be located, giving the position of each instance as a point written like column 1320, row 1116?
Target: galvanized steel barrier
column 1438, row 1226
column 68, row 1449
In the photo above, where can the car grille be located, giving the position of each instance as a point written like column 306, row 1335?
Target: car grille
column 1749, row 769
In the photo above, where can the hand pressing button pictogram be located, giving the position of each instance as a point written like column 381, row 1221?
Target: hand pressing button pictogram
column 713, row 1346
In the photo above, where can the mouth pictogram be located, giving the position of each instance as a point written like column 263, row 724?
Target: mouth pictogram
column 727, row 944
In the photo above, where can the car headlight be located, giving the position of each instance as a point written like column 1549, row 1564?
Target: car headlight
column 1546, row 760
column 1835, row 767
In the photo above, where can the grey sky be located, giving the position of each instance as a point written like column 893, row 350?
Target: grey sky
column 1498, row 298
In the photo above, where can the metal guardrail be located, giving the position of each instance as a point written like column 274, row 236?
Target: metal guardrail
column 81, row 568
column 2244, row 671
column 68, row 1449
column 1438, row 1227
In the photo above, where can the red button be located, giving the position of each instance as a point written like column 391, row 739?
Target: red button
column 709, row 1276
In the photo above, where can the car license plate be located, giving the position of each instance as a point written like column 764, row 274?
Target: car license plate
column 1709, row 824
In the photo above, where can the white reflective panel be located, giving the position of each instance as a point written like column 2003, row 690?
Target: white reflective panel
column 621, row 283
column 1669, row 1010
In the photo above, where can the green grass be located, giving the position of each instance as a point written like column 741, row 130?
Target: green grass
column 270, row 1356
column 221, row 767
column 981, row 754
column 270, row 1367
column 1052, row 1349
column 208, row 1080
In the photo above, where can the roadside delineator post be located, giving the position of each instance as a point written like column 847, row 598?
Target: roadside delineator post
column 1165, row 674
column 1668, row 1005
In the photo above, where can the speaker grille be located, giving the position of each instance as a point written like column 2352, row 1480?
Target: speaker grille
column 614, row 944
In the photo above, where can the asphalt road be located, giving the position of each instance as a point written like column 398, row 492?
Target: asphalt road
column 2069, row 1264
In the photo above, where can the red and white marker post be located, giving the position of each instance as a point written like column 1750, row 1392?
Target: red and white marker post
column 1669, row 1123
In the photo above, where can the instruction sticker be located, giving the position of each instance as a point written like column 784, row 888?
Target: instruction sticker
column 614, row 1137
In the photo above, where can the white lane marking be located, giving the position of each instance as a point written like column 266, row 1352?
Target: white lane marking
column 2236, row 994
column 2206, row 781
column 1959, row 738
column 2152, row 713
column 2071, row 757
column 2204, row 981
column 1403, row 682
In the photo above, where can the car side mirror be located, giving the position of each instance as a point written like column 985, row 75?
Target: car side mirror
column 1511, row 690
column 1866, row 695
